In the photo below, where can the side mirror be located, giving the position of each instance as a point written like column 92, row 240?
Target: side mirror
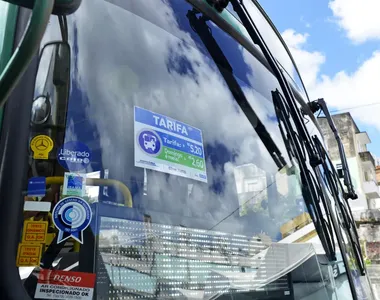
column 61, row 7
column 52, row 85
column 50, row 104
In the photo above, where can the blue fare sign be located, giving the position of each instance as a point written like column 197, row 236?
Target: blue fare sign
column 74, row 156
column 71, row 216
column 167, row 145
column 37, row 187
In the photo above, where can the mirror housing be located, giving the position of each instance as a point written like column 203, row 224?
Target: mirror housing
column 61, row 7
column 52, row 86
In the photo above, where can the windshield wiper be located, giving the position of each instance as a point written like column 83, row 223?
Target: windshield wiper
column 298, row 139
column 320, row 104
column 304, row 138
column 336, row 185
column 200, row 26
column 342, row 207
column 311, row 189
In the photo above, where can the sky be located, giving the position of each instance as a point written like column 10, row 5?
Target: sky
column 336, row 45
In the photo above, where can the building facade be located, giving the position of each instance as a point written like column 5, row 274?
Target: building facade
column 365, row 176
column 360, row 161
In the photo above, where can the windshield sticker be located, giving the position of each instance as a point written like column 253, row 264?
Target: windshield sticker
column 74, row 184
column 167, row 145
column 28, row 255
column 35, row 231
column 74, row 156
column 71, row 216
column 65, row 285
column 41, row 146
column 36, row 187
column 36, row 205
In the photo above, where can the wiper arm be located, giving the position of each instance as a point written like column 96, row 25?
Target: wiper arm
column 321, row 104
column 200, row 26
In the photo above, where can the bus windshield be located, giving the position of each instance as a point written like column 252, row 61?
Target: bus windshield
column 159, row 169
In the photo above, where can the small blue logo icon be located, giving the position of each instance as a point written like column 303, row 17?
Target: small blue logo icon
column 74, row 156
column 150, row 142
column 71, row 216
column 37, row 187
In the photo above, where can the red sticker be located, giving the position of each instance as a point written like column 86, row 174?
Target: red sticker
column 67, row 285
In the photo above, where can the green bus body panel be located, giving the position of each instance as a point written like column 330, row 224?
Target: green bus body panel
column 28, row 46
column 8, row 23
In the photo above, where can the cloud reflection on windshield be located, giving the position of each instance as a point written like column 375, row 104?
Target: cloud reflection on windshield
column 125, row 60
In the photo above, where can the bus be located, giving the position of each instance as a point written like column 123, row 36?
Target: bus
column 165, row 149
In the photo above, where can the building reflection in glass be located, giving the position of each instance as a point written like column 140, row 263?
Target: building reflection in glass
column 251, row 186
column 143, row 260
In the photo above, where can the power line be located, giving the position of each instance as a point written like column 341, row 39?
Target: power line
column 250, row 199
column 355, row 107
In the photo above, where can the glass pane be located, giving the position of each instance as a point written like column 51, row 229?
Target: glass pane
column 157, row 165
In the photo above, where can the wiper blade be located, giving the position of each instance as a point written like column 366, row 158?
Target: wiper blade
column 321, row 104
column 311, row 190
column 342, row 205
column 199, row 25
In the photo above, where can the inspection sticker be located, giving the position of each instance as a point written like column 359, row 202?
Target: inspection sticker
column 35, row 231
column 71, row 216
column 28, row 255
column 74, row 184
column 41, row 146
column 65, row 285
column 167, row 145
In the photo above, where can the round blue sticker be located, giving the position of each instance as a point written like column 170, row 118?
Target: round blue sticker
column 74, row 156
column 150, row 142
column 71, row 216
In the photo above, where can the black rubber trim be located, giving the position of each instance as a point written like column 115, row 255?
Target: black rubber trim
column 60, row 7
column 66, row 9
column 13, row 175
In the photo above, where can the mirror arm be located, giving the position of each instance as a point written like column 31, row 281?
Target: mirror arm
column 25, row 51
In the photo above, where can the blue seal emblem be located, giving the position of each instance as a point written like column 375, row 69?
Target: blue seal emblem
column 74, row 156
column 71, row 216
column 149, row 142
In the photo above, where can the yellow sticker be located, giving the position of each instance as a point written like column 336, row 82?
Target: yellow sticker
column 41, row 146
column 29, row 255
column 49, row 239
column 35, row 231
